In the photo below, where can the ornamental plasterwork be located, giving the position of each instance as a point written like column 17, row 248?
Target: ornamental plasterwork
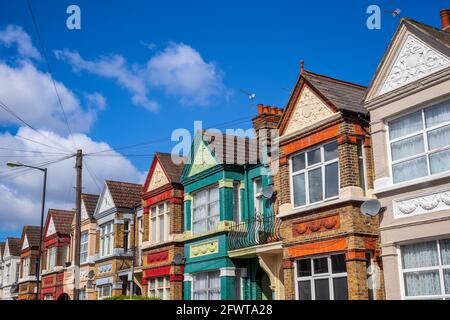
column 107, row 201
column 415, row 61
column 51, row 228
column 425, row 204
column 105, row 268
column 158, row 179
column 84, row 214
column 204, row 249
column 308, row 110
column 203, row 160
column 25, row 243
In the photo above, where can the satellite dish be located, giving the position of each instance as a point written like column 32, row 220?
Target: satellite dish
column 370, row 208
column 91, row 274
column 178, row 258
column 267, row 192
column 89, row 284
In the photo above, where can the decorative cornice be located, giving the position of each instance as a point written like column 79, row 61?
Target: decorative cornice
column 422, row 204
column 203, row 249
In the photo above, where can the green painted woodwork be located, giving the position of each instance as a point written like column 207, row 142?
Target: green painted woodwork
column 227, row 288
column 203, row 158
column 187, row 215
column 187, row 290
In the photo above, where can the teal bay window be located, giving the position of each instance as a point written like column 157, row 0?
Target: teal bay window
column 206, row 286
column 205, row 210
column 420, row 143
column 315, row 175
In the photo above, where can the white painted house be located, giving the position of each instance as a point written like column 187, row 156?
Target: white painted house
column 10, row 269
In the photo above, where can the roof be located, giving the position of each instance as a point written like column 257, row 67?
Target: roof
column 90, row 202
column 125, row 194
column 173, row 170
column 14, row 246
column 33, row 233
column 343, row 95
column 62, row 220
column 2, row 248
column 439, row 34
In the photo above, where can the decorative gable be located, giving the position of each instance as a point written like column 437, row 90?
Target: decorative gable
column 106, row 201
column 158, row 178
column 84, row 213
column 25, row 244
column 308, row 110
column 203, row 159
column 51, row 228
column 415, row 61
column 6, row 252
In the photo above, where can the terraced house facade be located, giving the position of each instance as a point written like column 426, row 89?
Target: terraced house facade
column 10, row 267
column 330, row 250
column 222, row 182
column 162, row 247
column 29, row 254
column 115, row 216
column 409, row 104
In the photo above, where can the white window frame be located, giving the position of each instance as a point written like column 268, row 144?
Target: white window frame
column 322, row 165
column 154, row 288
column 52, row 253
column 208, row 216
column 208, row 289
column 165, row 215
column 424, row 132
column 258, row 205
column 440, row 268
column 84, row 244
column 26, row 267
column 363, row 159
column 106, row 233
column 101, row 293
column 237, row 212
column 330, row 275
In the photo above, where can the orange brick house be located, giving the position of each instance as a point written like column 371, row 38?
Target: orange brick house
column 330, row 250
column 163, row 228
column 29, row 244
column 55, row 254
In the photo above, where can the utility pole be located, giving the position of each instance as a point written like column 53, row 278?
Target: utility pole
column 78, row 168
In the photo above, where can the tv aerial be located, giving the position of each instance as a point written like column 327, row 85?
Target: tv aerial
column 251, row 96
column 371, row 208
column 394, row 13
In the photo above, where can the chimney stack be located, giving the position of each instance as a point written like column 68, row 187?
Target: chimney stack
column 268, row 118
column 445, row 18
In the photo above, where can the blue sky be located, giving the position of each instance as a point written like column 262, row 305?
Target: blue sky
column 251, row 45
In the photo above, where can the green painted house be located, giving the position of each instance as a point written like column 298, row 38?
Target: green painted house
column 225, row 212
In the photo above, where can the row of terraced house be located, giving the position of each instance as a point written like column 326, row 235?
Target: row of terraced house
column 226, row 224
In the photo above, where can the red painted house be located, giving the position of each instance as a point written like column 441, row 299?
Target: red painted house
column 162, row 245
column 56, row 249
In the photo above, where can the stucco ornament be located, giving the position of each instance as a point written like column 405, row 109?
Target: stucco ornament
column 203, row 160
column 308, row 110
column 425, row 204
column 204, row 249
column 415, row 61
column 158, row 179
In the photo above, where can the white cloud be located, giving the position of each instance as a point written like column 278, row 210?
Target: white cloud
column 96, row 100
column 21, row 192
column 14, row 35
column 181, row 71
column 112, row 67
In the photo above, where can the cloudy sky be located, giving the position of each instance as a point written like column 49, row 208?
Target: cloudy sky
column 137, row 70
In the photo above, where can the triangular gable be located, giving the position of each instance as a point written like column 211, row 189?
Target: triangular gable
column 6, row 252
column 84, row 213
column 411, row 56
column 307, row 110
column 50, row 228
column 105, row 202
column 158, row 177
column 25, row 244
column 202, row 159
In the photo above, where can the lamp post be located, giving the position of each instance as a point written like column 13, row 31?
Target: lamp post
column 38, row 260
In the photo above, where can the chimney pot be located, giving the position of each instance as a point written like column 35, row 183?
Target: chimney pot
column 266, row 109
column 260, row 108
column 445, row 18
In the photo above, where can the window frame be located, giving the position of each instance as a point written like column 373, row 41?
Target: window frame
column 208, row 289
column 50, row 250
column 440, row 268
column 165, row 287
column 322, row 164
column 329, row 275
column 106, row 235
column 424, row 132
column 208, row 203
column 100, row 291
column 82, row 243
column 165, row 215
column 26, row 267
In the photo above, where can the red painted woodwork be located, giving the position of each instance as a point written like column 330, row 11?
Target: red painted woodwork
column 158, row 256
column 157, row 272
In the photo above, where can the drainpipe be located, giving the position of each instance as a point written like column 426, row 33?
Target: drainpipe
column 134, row 255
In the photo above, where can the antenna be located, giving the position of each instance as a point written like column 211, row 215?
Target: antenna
column 251, row 96
column 394, row 13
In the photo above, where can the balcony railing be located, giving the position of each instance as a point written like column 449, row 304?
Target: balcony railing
column 256, row 231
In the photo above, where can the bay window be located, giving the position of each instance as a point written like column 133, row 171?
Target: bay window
column 315, row 175
column 104, row 291
column 205, row 211
column 425, row 269
column 106, row 238
column 26, row 267
column 420, row 143
column 322, row 278
column 84, row 247
column 206, row 286
column 159, row 288
column 160, row 222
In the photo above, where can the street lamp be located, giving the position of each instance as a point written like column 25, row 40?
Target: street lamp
column 12, row 164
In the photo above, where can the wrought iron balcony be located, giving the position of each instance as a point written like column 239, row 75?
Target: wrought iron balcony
column 256, row 231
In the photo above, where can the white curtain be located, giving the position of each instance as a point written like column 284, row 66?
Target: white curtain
column 405, row 125
column 423, row 283
column 420, row 255
column 437, row 114
column 411, row 169
column 407, row 147
column 438, row 138
column 440, row 161
column 214, row 286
